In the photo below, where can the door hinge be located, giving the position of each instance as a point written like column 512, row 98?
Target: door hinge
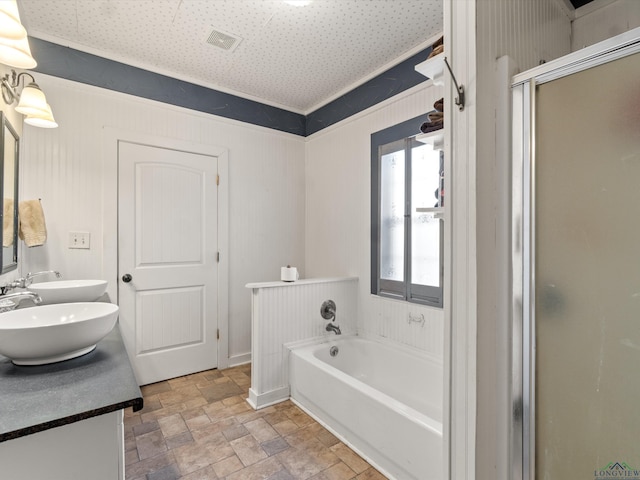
column 217, row 179
column 218, row 257
column 218, row 334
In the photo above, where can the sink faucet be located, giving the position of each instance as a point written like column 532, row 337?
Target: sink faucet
column 24, row 282
column 333, row 328
column 12, row 300
column 28, row 280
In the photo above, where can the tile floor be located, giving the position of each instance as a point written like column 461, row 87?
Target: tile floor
column 199, row 427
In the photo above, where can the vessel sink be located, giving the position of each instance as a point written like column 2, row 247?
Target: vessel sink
column 66, row 291
column 52, row 333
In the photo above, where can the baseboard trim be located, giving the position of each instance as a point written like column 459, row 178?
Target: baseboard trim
column 263, row 400
column 240, row 359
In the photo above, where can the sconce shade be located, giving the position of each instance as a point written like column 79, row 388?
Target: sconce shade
column 45, row 120
column 16, row 53
column 33, row 103
column 10, row 26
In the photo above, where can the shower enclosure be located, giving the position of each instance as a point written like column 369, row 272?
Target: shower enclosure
column 576, row 266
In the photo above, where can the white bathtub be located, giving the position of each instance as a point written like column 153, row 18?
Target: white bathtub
column 382, row 401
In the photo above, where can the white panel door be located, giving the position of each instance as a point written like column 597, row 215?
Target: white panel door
column 167, row 255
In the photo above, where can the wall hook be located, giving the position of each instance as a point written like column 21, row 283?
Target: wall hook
column 460, row 89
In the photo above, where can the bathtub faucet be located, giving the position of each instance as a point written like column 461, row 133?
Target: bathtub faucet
column 333, row 328
column 328, row 310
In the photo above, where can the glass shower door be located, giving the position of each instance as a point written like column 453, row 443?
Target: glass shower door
column 586, row 274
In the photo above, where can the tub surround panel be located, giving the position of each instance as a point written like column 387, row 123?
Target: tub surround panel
column 287, row 312
column 37, row 398
column 405, row 324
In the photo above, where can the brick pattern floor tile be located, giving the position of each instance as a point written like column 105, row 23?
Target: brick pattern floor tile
column 199, row 427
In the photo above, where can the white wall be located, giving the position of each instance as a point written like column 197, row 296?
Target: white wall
column 338, row 238
column 528, row 32
column 64, row 168
column 601, row 20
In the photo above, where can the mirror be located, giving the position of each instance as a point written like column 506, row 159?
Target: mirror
column 9, row 194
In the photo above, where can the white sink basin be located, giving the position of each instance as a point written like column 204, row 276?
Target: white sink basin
column 66, row 291
column 52, row 333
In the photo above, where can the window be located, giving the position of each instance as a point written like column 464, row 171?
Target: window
column 407, row 202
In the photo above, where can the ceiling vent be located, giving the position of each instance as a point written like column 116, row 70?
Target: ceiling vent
column 223, row 40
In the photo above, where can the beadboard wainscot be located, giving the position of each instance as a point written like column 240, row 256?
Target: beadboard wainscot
column 285, row 312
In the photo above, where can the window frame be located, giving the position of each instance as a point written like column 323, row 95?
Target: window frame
column 399, row 290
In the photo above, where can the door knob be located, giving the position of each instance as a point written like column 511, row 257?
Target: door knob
column 126, row 278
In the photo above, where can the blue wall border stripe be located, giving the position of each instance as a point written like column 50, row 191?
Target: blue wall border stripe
column 68, row 63
column 386, row 85
column 71, row 64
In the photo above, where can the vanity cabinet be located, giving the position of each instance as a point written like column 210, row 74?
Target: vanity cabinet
column 64, row 421
column 91, row 448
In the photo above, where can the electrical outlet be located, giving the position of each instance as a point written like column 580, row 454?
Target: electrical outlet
column 79, row 240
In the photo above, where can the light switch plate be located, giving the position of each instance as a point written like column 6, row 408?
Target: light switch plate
column 80, row 240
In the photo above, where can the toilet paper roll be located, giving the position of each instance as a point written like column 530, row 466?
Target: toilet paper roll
column 289, row 274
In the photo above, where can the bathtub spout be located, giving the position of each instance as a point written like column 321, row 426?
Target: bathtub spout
column 333, row 328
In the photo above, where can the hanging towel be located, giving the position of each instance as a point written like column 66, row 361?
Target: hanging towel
column 32, row 230
column 7, row 223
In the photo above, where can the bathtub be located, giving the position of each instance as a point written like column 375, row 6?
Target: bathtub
column 382, row 401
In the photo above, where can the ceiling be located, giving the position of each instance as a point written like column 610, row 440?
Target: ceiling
column 298, row 58
column 579, row 3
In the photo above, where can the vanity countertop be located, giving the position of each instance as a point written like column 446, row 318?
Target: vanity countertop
column 37, row 398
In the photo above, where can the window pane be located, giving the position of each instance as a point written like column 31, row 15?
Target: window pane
column 425, row 229
column 392, row 190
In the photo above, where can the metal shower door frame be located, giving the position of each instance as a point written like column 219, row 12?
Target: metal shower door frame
column 522, row 429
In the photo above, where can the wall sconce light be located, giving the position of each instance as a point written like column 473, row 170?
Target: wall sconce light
column 16, row 53
column 14, row 44
column 32, row 101
column 10, row 24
